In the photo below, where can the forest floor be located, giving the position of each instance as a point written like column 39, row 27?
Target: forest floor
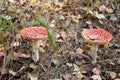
column 65, row 55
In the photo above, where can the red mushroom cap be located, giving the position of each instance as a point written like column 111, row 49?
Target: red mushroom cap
column 96, row 36
column 34, row 33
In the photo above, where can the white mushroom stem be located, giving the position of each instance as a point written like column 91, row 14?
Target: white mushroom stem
column 35, row 47
column 94, row 49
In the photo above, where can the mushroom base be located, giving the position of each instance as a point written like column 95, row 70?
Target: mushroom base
column 35, row 47
column 94, row 49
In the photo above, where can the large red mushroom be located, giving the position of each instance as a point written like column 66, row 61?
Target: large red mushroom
column 96, row 37
column 34, row 34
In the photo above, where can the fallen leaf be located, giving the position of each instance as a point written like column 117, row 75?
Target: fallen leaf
column 52, row 25
column 79, row 16
column 7, row 17
column 85, row 46
column 55, row 61
column 63, row 34
column 119, row 74
column 72, row 53
column 96, row 77
column 89, row 23
column 88, row 10
column 23, row 55
column 77, row 72
column 69, row 64
column 33, row 66
column 32, row 1
column 17, row 56
column 96, row 5
column 113, row 75
column 58, row 35
column 76, row 68
column 15, row 44
column 1, row 54
column 99, row 16
column 117, row 79
column 83, row 71
column 109, row 10
column 55, row 79
column 75, row 20
column 61, row 17
column 32, row 76
column 113, row 18
column 1, row 63
column 96, row 70
column 102, row 8
column 47, row 5
column 3, row 71
column 41, row 49
column 12, row 72
column 2, row 47
column 67, row 76
column 12, row 1
column 79, row 51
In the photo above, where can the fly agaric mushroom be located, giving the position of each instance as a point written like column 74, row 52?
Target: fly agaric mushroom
column 35, row 34
column 96, row 37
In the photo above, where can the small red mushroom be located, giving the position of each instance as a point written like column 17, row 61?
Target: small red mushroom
column 35, row 34
column 96, row 37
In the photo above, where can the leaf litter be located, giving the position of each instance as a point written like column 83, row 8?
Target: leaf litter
column 66, row 20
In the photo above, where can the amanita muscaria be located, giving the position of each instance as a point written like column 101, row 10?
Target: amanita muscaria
column 35, row 34
column 96, row 37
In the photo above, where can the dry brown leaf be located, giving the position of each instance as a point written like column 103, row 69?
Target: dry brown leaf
column 41, row 49
column 63, row 34
column 1, row 54
column 67, row 76
column 72, row 53
column 17, row 56
column 3, row 71
column 79, row 51
column 70, row 35
column 119, row 74
column 23, row 55
column 2, row 47
column 1, row 63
